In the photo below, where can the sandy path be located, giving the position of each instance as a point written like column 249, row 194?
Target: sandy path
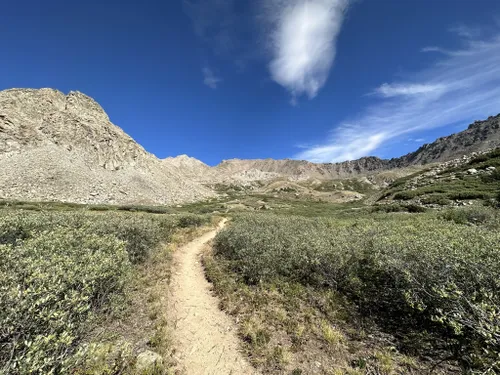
column 204, row 337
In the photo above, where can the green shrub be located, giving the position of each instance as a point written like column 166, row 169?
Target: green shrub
column 407, row 270
column 192, row 220
column 411, row 208
column 476, row 215
column 461, row 195
column 141, row 232
column 388, row 208
column 415, row 208
column 436, row 199
column 406, row 195
column 57, row 269
column 51, row 284
column 491, row 178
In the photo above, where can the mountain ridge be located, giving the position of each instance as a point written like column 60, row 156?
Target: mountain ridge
column 479, row 136
column 64, row 147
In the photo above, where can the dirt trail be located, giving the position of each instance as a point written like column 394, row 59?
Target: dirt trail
column 204, row 337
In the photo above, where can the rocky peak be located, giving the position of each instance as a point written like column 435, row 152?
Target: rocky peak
column 75, row 122
column 81, row 104
column 63, row 147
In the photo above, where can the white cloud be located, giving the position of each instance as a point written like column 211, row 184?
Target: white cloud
column 210, row 79
column 303, row 42
column 390, row 90
column 466, row 32
column 470, row 82
column 431, row 49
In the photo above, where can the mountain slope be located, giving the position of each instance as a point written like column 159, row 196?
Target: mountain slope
column 480, row 136
column 64, row 147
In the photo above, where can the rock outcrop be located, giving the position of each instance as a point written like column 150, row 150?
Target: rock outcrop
column 65, row 148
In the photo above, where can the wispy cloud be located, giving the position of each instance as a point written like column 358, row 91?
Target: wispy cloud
column 303, row 36
column 390, row 90
column 467, row 32
column 468, row 83
column 214, row 23
column 225, row 30
column 209, row 78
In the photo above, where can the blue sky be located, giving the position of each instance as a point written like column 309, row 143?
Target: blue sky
column 323, row 80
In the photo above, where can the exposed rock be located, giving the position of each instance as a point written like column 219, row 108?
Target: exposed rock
column 472, row 171
column 61, row 147
column 147, row 362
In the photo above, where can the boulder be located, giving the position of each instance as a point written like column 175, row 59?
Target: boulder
column 148, row 361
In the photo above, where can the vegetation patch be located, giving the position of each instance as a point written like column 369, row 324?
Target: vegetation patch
column 427, row 280
column 63, row 271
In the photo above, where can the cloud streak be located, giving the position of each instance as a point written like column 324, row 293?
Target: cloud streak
column 391, row 90
column 210, row 79
column 303, row 35
column 461, row 86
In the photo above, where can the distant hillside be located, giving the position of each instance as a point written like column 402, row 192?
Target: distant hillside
column 481, row 135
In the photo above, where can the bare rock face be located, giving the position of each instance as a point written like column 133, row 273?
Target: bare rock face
column 64, row 147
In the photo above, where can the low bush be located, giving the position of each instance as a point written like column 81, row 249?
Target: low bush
column 58, row 270
column 491, row 178
column 475, row 215
column 407, row 270
column 406, row 195
column 461, row 195
column 411, row 208
column 192, row 220
column 141, row 232
column 388, row 208
column 436, row 199
column 51, row 283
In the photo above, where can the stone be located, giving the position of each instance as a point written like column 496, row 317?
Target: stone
column 472, row 171
column 148, row 361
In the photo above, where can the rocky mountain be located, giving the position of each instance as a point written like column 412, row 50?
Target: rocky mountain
column 64, row 147
column 303, row 170
column 480, row 136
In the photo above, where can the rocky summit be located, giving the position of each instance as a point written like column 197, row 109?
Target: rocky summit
column 65, row 148
column 57, row 147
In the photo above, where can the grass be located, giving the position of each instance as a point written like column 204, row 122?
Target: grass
column 419, row 281
column 65, row 206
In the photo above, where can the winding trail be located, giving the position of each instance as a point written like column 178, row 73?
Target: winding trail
column 204, row 338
